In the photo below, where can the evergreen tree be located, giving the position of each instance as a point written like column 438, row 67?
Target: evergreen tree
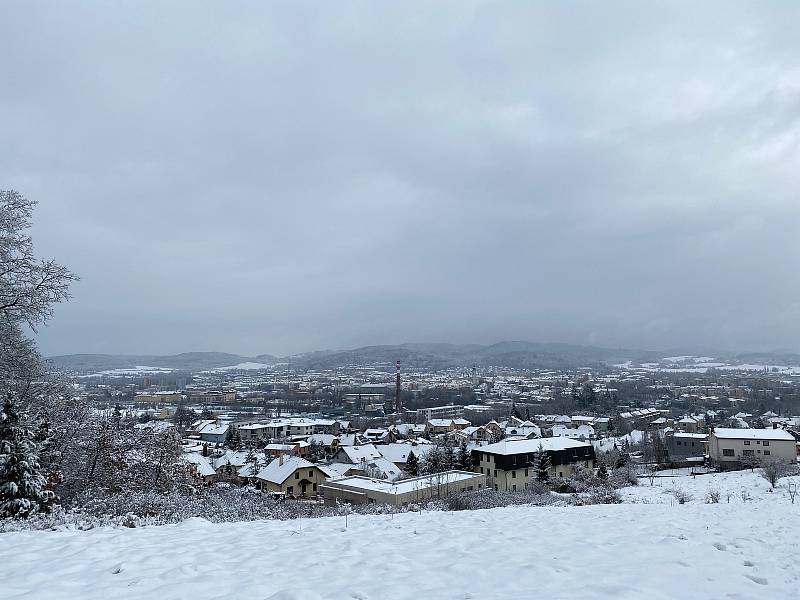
column 624, row 455
column 412, row 464
column 448, row 458
column 433, row 461
column 116, row 417
column 602, row 472
column 205, row 450
column 542, row 465
column 464, row 457
column 22, row 485
column 251, row 460
column 232, row 438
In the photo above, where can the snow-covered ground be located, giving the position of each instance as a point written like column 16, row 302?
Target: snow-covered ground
column 138, row 370
column 245, row 366
column 652, row 548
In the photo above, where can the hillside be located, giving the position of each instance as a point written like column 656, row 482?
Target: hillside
column 654, row 548
column 188, row 361
column 515, row 354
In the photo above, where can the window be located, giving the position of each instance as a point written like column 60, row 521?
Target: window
column 727, row 452
column 748, row 452
column 315, row 487
column 290, row 490
column 766, row 442
column 513, row 474
column 311, row 473
column 677, row 443
column 495, row 472
column 526, row 472
column 747, row 442
column 297, row 475
column 514, row 488
column 481, row 469
column 767, row 453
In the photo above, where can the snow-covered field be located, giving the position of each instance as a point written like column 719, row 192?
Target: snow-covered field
column 650, row 548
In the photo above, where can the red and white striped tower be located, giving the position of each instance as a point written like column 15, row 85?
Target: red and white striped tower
column 397, row 404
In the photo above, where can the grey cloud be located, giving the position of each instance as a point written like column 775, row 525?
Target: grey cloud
column 278, row 178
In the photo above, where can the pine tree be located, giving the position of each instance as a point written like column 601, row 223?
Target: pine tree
column 448, row 458
column 602, row 472
column 542, row 465
column 412, row 464
column 624, row 455
column 116, row 417
column 232, row 438
column 251, row 460
column 464, row 457
column 22, row 485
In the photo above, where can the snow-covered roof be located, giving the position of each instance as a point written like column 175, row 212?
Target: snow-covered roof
column 279, row 470
column 356, row 453
column 753, row 434
column 387, row 469
column 527, row 446
column 406, row 485
column 336, row 470
column 204, row 468
column 398, row 453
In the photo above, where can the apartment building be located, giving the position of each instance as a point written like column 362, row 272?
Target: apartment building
column 732, row 447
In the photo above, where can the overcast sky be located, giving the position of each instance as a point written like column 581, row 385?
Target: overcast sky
column 251, row 178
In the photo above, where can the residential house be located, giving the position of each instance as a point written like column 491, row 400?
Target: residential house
column 354, row 454
column 398, row 453
column 214, row 432
column 291, row 475
column 731, row 448
column 688, row 424
column 509, row 465
column 683, row 446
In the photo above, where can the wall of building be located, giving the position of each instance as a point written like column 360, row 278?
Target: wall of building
column 782, row 450
column 291, row 486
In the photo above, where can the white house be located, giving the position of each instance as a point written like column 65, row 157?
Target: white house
column 730, row 447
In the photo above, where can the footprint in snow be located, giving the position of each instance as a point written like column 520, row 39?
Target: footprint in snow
column 758, row 580
column 749, row 563
column 720, row 547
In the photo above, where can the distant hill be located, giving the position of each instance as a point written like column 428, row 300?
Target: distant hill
column 187, row 361
column 515, row 354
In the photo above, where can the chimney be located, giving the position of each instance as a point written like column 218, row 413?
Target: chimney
column 774, row 424
column 280, row 459
column 397, row 405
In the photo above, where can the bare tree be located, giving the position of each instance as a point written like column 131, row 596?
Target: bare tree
column 29, row 287
column 773, row 470
column 791, row 487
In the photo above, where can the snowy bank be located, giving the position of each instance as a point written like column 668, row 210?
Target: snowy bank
column 741, row 549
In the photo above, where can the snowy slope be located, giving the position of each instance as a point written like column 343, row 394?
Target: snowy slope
column 631, row 551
